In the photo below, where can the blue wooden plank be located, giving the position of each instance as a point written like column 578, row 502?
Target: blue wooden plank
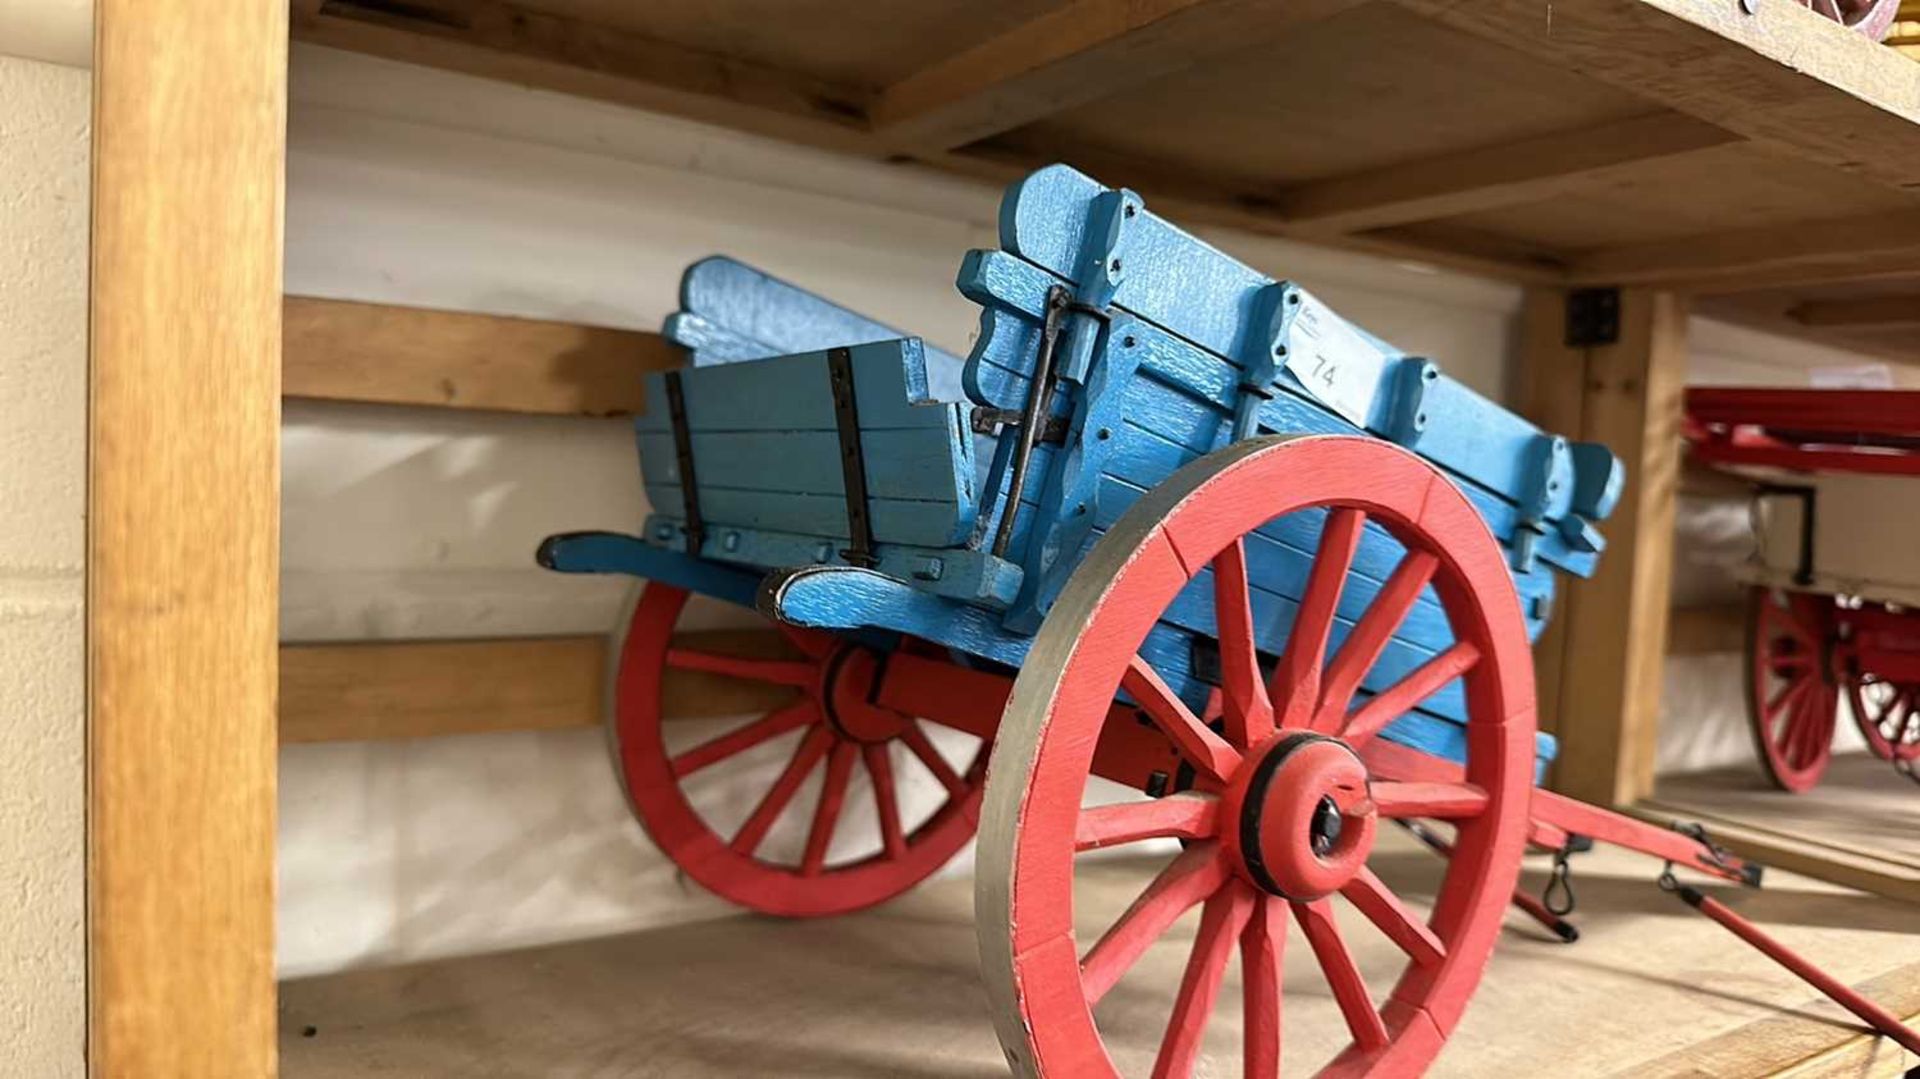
column 1187, row 391
column 969, row 576
column 789, row 393
column 1210, row 299
column 909, row 465
column 730, row 311
column 920, row 524
column 610, row 552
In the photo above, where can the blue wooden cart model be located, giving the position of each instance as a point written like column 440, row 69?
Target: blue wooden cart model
column 1171, row 523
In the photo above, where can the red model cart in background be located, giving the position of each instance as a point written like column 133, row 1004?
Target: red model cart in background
column 1834, row 616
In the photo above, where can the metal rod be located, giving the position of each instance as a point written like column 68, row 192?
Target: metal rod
column 1039, row 397
column 1872, row 1014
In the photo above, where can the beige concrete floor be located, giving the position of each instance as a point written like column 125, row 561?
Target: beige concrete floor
column 1652, row 989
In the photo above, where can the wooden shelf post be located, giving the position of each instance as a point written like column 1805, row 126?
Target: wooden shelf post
column 189, row 145
column 1600, row 664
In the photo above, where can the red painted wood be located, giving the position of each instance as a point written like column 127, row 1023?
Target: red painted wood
column 1358, row 481
column 1792, row 700
column 1605, row 826
column 1186, row 882
column 733, row 866
column 1177, row 816
column 1263, row 947
column 1244, row 702
column 1296, row 678
column 1221, row 922
column 1400, row 698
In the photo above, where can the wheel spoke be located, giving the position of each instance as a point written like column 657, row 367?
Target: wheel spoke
column 1295, row 687
column 1249, row 713
column 1376, row 627
column 885, row 800
column 1787, row 694
column 754, row 832
column 1343, row 977
column 797, row 673
column 1262, row 946
column 1197, row 873
column 770, row 726
column 1206, row 750
column 1190, row 815
column 1396, row 700
column 1439, row 801
column 1221, row 922
column 1402, row 926
column 826, row 812
column 923, row 748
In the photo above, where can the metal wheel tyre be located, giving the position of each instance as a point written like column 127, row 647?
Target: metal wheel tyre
column 830, row 721
column 1283, row 813
column 1792, row 702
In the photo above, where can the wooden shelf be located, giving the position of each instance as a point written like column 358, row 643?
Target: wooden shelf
column 1676, row 142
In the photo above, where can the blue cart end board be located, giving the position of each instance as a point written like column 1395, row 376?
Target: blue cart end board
column 865, row 482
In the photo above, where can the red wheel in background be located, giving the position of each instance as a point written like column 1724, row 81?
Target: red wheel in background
column 829, row 724
column 1791, row 697
column 1888, row 714
column 1283, row 814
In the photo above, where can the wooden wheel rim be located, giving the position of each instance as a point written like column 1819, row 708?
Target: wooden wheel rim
column 1044, row 749
column 654, row 790
column 1791, row 701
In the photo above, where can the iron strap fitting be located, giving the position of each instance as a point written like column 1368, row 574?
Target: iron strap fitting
column 853, row 467
column 683, row 460
column 1558, row 895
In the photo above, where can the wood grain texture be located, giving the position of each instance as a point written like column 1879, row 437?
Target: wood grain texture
column 1707, row 631
column 339, row 350
column 522, row 44
column 1077, row 53
column 1781, row 76
column 1794, row 850
column 1603, row 666
column 1490, row 177
column 379, row 690
column 183, row 548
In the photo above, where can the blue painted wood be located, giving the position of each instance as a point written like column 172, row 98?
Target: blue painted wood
column 766, row 448
column 1417, row 405
column 1187, row 390
column 730, row 311
column 610, row 552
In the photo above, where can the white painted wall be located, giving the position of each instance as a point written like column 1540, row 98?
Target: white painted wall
column 43, row 370
column 417, row 187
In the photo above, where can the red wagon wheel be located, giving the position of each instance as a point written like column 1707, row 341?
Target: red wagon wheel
column 1791, row 699
column 1284, row 811
column 1887, row 713
column 830, row 721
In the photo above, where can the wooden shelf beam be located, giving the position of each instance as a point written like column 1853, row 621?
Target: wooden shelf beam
column 1078, row 53
column 1768, row 255
column 1866, row 312
column 382, row 690
column 337, row 350
column 505, row 41
column 1488, row 178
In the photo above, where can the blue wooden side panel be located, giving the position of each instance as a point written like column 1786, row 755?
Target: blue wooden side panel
column 1182, row 392
column 766, row 448
column 730, row 311
column 1197, row 292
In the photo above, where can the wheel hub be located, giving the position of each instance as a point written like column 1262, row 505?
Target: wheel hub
column 851, row 679
column 1302, row 818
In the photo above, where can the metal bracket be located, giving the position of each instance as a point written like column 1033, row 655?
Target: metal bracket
column 683, row 460
column 1039, row 399
column 989, row 421
column 853, row 466
column 1593, row 317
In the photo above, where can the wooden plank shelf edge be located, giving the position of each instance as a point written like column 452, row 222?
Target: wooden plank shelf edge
column 342, row 350
column 383, row 690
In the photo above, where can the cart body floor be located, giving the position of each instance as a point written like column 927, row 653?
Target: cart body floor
column 1651, row 990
